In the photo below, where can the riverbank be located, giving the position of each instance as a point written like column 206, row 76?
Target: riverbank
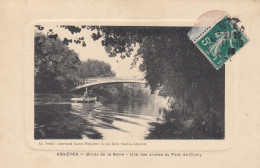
column 53, row 97
column 67, row 97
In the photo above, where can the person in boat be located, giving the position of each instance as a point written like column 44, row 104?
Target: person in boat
column 85, row 95
column 88, row 94
column 91, row 94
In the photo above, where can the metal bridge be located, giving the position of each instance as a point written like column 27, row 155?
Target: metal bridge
column 106, row 80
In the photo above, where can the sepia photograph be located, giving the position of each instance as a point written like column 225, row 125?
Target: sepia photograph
column 124, row 82
column 129, row 84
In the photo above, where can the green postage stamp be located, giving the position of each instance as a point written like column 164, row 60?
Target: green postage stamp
column 218, row 41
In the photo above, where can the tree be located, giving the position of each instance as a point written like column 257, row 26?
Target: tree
column 95, row 68
column 56, row 66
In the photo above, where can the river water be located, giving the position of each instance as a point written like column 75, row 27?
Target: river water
column 124, row 120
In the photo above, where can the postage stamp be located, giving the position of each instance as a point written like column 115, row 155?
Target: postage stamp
column 219, row 41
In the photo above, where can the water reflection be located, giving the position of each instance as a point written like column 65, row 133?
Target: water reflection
column 122, row 120
column 55, row 121
column 108, row 120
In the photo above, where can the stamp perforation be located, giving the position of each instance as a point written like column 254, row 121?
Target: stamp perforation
column 209, row 28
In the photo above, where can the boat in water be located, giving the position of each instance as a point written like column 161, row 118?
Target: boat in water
column 84, row 99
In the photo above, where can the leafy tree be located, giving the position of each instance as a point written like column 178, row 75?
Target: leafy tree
column 95, row 68
column 56, row 66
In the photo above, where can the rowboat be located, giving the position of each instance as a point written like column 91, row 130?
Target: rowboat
column 84, row 99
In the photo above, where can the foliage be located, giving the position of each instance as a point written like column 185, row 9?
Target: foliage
column 56, row 66
column 95, row 68
column 122, row 91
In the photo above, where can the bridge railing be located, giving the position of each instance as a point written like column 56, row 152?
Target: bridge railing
column 109, row 78
column 100, row 79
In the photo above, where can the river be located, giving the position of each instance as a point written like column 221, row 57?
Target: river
column 124, row 120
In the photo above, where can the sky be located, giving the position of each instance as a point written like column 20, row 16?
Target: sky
column 94, row 50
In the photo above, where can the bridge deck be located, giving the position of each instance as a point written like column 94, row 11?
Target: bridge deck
column 106, row 80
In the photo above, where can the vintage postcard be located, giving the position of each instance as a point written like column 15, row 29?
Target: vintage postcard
column 132, row 83
column 122, row 86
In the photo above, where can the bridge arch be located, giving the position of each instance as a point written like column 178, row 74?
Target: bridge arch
column 106, row 80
